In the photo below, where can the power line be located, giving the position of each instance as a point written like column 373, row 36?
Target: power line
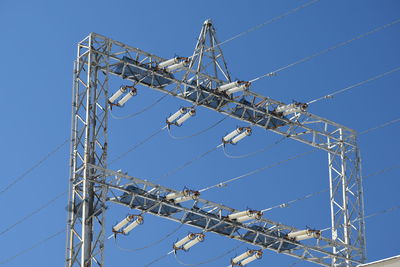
column 354, row 85
column 224, row 183
column 197, row 133
column 140, row 111
column 151, row 244
column 327, row 50
column 137, row 145
column 209, row 260
column 47, row 204
column 380, row 126
column 268, row 22
column 370, row 215
column 19, row 178
column 187, row 163
column 32, row 247
column 288, row 203
column 254, row 152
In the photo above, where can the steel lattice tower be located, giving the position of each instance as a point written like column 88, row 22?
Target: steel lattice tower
column 92, row 184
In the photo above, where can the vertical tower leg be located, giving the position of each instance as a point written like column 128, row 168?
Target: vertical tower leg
column 85, row 236
column 346, row 199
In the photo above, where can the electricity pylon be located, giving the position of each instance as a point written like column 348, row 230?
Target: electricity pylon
column 203, row 80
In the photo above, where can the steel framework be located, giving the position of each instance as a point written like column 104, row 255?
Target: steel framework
column 91, row 182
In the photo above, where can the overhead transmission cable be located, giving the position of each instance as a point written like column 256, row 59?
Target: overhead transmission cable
column 355, row 85
column 47, row 204
column 150, row 244
column 271, row 73
column 269, row 166
column 37, row 164
column 22, row 252
column 197, row 133
column 209, row 260
column 140, row 111
column 294, row 10
column 289, row 203
column 370, row 215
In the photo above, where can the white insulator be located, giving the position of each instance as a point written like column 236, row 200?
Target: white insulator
column 175, row 195
column 307, row 236
column 256, row 256
column 247, row 132
column 241, row 257
column 228, row 86
column 298, row 233
column 185, row 198
column 231, row 135
column 176, row 115
column 238, row 214
column 252, row 216
column 291, row 108
column 184, row 240
column 176, row 66
column 168, row 62
column 126, row 97
column 182, row 119
column 117, row 94
column 190, row 244
column 123, row 223
column 236, row 89
column 130, row 227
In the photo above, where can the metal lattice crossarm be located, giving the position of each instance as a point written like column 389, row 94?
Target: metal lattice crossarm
column 213, row 217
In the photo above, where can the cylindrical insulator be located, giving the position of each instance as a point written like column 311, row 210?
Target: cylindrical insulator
column 283, row 108
column 298, row 233
column 236, row 89
column 130, row 227
column 256, row 256
column 231, row 135
column 168, row 62
column 176, row 66
column 127, row 97
column 228, row 86
column 238, row 214
column 199, row 238
column 247, row 132
column 176, row 115
column 182, row 119
column 185, row 198
column 241, row 257
column 307, row 236
column 184, row 240
column 117, row 94
column 123, row 223
column 175, row 195
column 252, row 216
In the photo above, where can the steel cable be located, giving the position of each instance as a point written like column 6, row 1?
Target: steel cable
column 326, row 50
column 19, row 178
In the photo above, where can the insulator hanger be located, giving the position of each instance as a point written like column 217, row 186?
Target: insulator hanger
column 135, row 221
column 183, row 196
column 246, row 215
column 179, row 117
column 304, row 234
column 247, row 257
column 236, row 135
column 188, row 241
column 123, row 100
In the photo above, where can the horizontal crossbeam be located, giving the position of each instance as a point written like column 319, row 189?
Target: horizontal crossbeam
column 212, row 217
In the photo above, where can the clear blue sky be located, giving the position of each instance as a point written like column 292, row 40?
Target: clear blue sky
column 38, row 44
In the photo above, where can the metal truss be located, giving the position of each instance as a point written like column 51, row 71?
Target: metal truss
column 212, row 217
column 196, row 82
column 85, row 235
